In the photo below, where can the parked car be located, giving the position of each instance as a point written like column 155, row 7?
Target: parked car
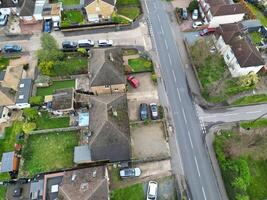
column 47, row 26
column 130, row 172
column 133, row 81
column 56, row 26
column 3, row 20
column 143, row 111
column 197, row 24
column 11, row 48
column 206, row 31
column 184, row 14
column 195, row 14
column 105, row 43
column 152, row 190
column 69, row 46
column 154, row 111
column 87, row 44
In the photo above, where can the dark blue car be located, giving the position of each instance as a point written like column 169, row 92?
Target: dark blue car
column 143, row 111
column 10, row 48
column 47, row 26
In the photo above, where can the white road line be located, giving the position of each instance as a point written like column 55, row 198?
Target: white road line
column 204, row 194
column 197, row 166
column 170, row 59
column 231, row 114
column 146, row 7
column 184, row 116
column 179, row 95
column 161, row 30
column 190, row 139
column 253, row 112
column 174, row 77
column 158, row 19
column 166, row 45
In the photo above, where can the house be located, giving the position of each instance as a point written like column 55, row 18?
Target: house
column 36, row 189
column 240, row 55
column 52, row 11
column 10, row 163
column 24, row 93
column 85, row 184
column 63, row 100
column 106, row 72
column 98, row 10
column 4, row 114
column 109, row 125
column 216, row 12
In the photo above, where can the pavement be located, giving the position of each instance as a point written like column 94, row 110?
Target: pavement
column 195, row 164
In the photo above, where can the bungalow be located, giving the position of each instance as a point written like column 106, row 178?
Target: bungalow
column 216, row 12
column 240, row 55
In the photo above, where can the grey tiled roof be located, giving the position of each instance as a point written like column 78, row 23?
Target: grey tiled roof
column 24, row 91
column 7, row 161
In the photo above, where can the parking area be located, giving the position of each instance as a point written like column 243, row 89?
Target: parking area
column 148, row 141
column 145, row 93
column 191, row 37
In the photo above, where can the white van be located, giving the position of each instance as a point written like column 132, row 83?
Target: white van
column 87, row 44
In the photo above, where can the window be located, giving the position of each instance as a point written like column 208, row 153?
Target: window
column 21, row 85
column 21, row 96
column 107, row 86
column 116, row 89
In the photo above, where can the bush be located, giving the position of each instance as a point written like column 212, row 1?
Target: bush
column 193, row 5
column 26, row 66
column 30, row 114
column 28, row 127
column 82, row 51
column 154, row 77
column 36, row 100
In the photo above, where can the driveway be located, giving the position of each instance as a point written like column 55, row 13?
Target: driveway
column 148, row 141
column 145, row 93
column 191, row 37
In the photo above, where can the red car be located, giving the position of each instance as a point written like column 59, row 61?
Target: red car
column 133, row 81
column 206, row 31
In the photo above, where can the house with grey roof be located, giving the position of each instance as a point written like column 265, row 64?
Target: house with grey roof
column 106, row 72
column 24, row 93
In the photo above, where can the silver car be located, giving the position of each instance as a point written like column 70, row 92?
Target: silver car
column 152, row 190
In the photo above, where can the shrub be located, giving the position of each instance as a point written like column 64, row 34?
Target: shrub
column 30, row 114
column 28, row 127
column 154, row 77
column 193, row 5
column 82, row 51
column 36, row 100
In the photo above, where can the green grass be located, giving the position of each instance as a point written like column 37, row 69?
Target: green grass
column 71, row 17
column 46, row 122
column 43, row 91
column 134, row 192
column 140, row 64
column 47, row 152
column 128, row 52
column 7, row 143
column 70, row 2
column 258, row 14
column 131, row 12
column 128, row 2
column 3, row 63
column 118, row 19
column 254, row 124
column 3, row 190
column 72, row 65
column 256, row 37
column 257, row 98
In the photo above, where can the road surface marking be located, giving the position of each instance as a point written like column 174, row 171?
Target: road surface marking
column 197, row 166
column 146, row 7
column 161, row 29
column 253, row 112
column 210, row 116
column 158, row 18
column 170, row 59
column 231, row 114
column 204, row 194
column 184, row 116
column 166, row 44
column 179, row 95
column 174, row 76
column 190, row 139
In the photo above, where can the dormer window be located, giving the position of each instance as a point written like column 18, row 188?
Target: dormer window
column 21, row 85
column 21, row 96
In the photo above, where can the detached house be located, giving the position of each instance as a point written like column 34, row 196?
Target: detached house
column 216, row 12
column 241, row 56
column 106, row 72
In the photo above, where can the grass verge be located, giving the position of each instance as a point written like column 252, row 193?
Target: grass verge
column 43, row 91
column 257, row 98
column 254, row 124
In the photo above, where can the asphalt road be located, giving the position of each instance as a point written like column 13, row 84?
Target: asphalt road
column 196, row 166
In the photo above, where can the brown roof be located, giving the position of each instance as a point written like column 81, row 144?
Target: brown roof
column 85, row 184
column 111, row 2
column 216, row 2
column 227, row 9
column 12, row 77
column 7, row 96
column 229, row 31
column 246, row 54
column 63, row 99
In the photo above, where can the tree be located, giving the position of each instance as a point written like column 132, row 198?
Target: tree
column 28, row 127
column 36, row 100
column 47, row 67
column 193, row 5
column 251, row 79
column 30, row 114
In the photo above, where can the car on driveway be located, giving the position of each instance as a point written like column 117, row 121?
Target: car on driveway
column 133, row 81
column 184, row 14
column 197, row 24
column 130, row 172
column 11, row 48
column 206, row 31
column 152, row 190
column 195, row 14
column 143, row 111
column 47, row 26
column 105, row 43
column 154, row 111
column 3, row 19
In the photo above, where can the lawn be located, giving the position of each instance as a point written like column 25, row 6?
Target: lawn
column 254, row 124
column 256, row 37
column 257, row 98
column 118, row 19
column 70, row 2
column 3, row 63
column 258, row 14
column 48, row 152
column 131, row 12
column 128, row 2
column 46, row 122
column 140, row 65
column 134, row 192
column 71, row 17
column 43, row 91
column 3, row 190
